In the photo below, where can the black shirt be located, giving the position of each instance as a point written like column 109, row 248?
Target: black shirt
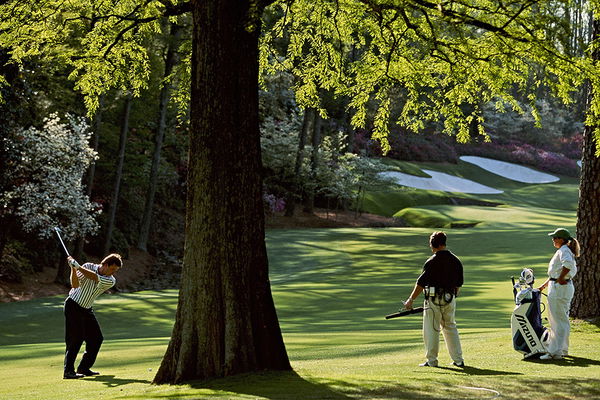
column 442, row 270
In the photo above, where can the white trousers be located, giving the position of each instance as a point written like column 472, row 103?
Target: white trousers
column 441, row 317
column 559, row 303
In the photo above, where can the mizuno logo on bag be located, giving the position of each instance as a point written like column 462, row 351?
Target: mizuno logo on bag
column 526, row 332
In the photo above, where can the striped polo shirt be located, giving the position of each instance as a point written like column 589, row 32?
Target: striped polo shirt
column 88, row 290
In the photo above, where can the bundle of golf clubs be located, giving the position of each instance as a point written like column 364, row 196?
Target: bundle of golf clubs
column 402, row 313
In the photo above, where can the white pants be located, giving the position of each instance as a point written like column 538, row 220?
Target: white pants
column 559, row 303
column 436, row 316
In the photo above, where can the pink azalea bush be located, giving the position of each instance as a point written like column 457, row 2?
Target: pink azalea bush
column 273, row 204
column 525, row 154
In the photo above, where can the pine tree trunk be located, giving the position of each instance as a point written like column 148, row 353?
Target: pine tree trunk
column 91, row 173
column 165, row 92
column 6, row 224
column 112, row 212
column 307, row 122
column 226, row 321
column 309, row 206
column 586, row 302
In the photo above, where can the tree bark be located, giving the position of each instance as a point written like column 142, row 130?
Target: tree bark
column 91, row 173
column 6, row 224
column 165, row 92
column 226, row 321
column 62, row 270
column 118, row 174
column 586, row 302
column 307, row 122
column 314, row 162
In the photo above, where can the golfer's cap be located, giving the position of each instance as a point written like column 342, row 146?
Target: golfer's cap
column 561, row 233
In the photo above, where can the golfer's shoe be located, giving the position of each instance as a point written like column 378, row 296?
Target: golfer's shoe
column 459, row 365
column 72, row 375
column 88, row 372
column 429, row 364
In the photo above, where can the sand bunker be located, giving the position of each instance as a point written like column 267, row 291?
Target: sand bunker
column 440, row 181
column 451, row 183
column 510, row 171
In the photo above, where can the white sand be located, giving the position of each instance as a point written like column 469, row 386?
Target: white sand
column 440, row 181
column 451, row 183
column 510, row 171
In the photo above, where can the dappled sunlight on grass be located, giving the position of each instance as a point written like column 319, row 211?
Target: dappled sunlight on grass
column 332, row 289
column 366, row 273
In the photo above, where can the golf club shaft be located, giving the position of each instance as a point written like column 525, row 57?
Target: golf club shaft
column 61, row 241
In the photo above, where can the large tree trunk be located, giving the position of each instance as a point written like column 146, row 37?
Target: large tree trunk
column 165, row 93
column 112, row 211
column 226, row 321
column 586, row 302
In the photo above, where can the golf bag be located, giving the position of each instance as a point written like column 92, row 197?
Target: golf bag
column 528, row 333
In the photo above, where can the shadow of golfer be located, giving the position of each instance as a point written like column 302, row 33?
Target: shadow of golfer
column 112, row 381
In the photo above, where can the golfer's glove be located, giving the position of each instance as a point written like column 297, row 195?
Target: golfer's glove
column 73, row 263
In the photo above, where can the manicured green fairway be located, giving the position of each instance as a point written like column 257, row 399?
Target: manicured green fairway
column 332, row 289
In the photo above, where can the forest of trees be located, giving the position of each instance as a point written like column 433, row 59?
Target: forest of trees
column 201, row 113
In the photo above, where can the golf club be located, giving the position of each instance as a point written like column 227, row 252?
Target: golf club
column 417, row 310
column 57, row 230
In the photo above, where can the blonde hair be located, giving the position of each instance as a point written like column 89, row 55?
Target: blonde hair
column 573, row 244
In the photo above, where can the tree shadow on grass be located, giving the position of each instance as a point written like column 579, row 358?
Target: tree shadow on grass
column 272, row 385
column 113, row 381
column 289, row 385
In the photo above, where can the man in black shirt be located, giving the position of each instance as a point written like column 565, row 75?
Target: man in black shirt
column 441, row 280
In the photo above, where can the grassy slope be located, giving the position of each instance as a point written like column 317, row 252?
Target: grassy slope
column 561, row 195
column 332, row 289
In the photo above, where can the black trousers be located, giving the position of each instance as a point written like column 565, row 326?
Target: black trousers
column 81, row 326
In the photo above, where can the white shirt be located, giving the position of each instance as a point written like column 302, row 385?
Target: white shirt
column 562, row 258
column 88, row 289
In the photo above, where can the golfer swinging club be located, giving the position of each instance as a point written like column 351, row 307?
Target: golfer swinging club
column 88, row 282
column 441, row 279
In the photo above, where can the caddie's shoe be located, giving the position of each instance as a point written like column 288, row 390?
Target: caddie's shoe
column 72, row 375
column 549, row 356
column 88, row 372
column 459, row 365
column 428, row 364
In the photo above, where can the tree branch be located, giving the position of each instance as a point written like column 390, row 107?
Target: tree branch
column 448, row 13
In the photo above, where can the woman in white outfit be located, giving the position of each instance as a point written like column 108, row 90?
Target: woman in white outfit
column 561, row 270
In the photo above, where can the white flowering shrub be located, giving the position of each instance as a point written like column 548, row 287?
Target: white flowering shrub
column 46, row 178
column 340, row 176
column 279, row 143
column 346, row 176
